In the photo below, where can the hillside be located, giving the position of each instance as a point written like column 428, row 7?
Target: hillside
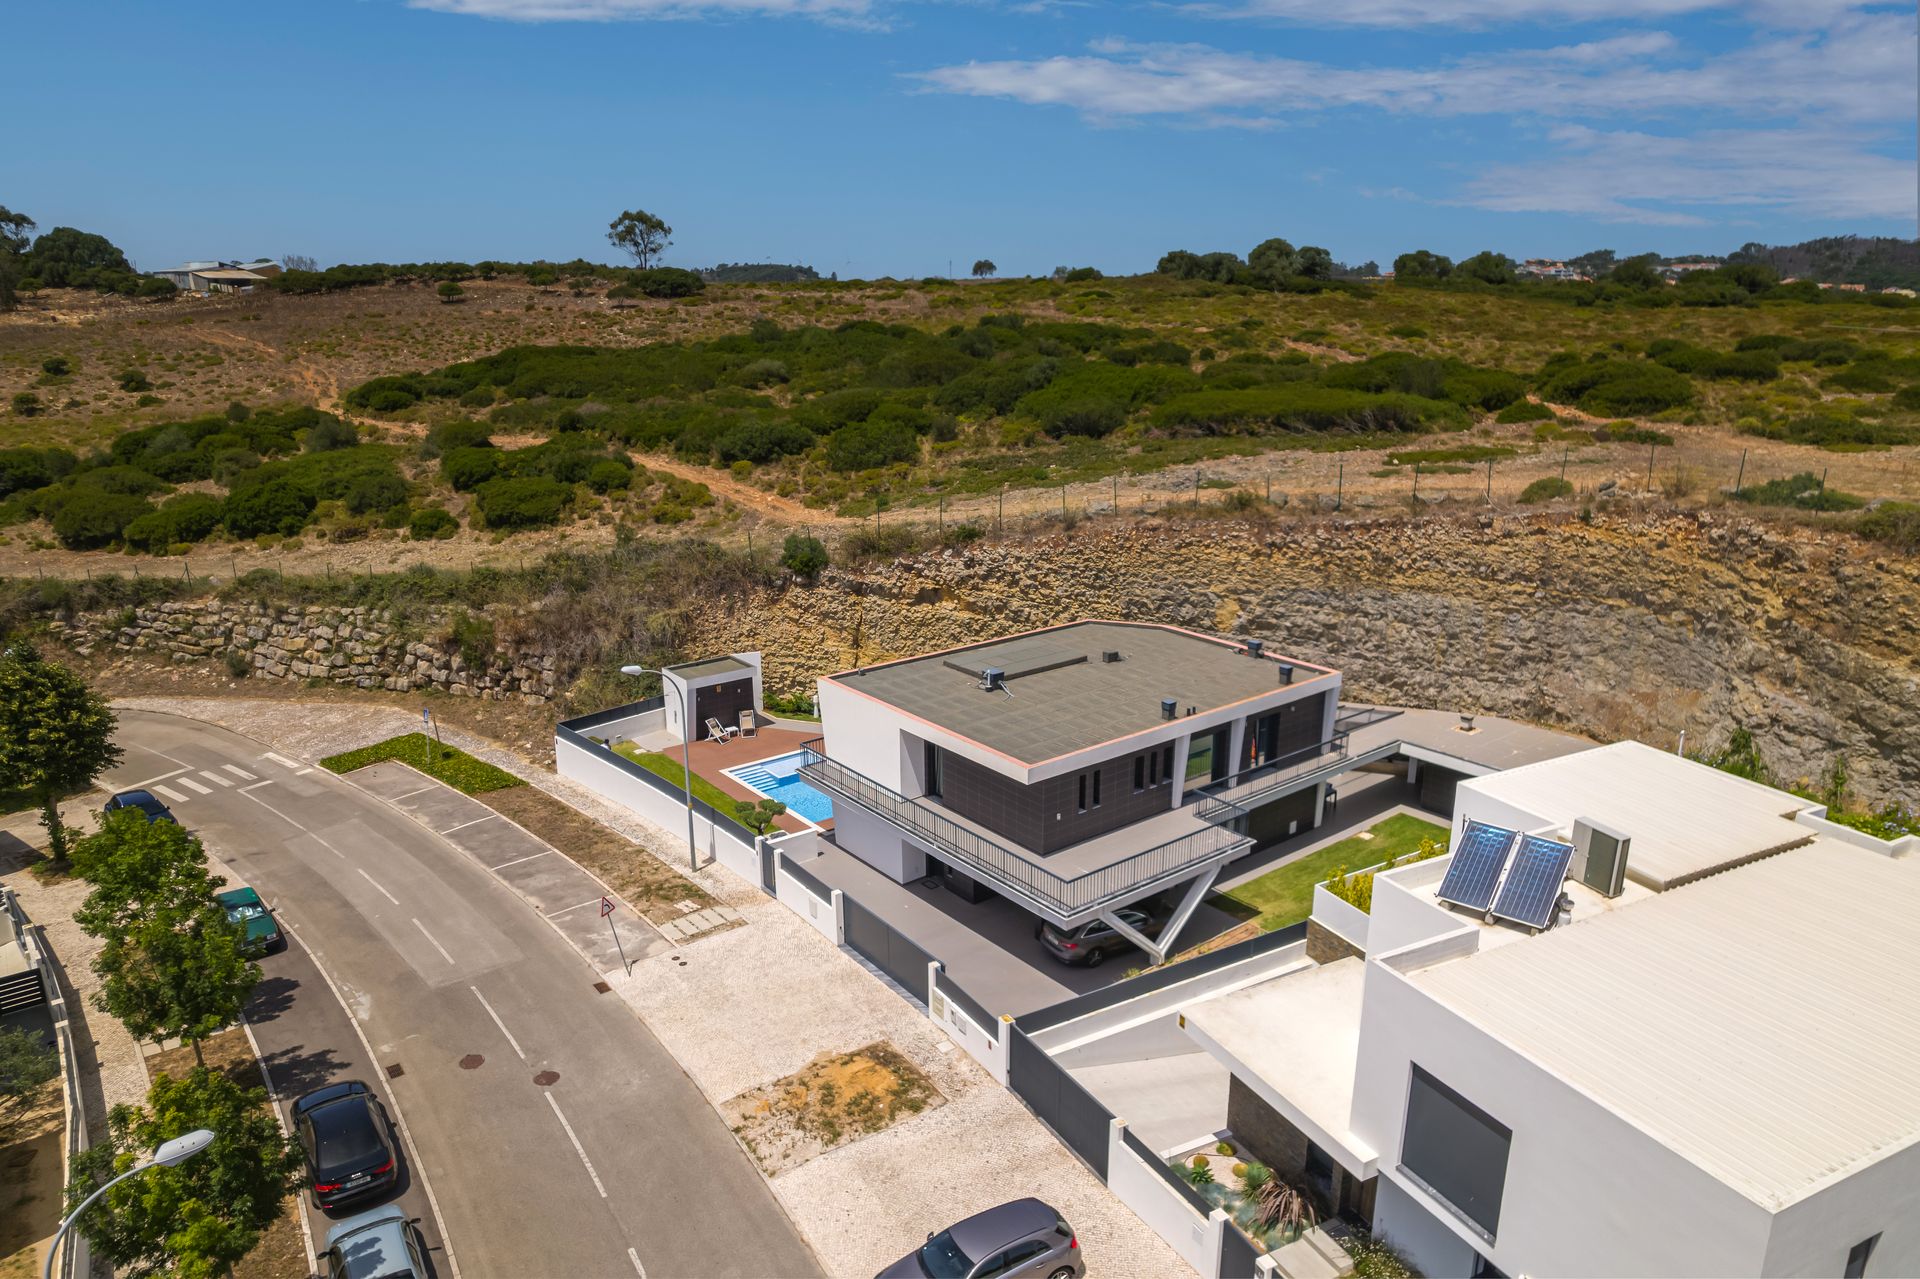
column 1876, row 261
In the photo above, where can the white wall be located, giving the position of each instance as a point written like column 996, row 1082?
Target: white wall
column 1413, row 1232
column 1160, row 1206
column 1169, row 1000
column 862, row 734
column 1341, row 918
column 878, row 843
column 1811, row 1237
column 801, row 901
column 619, row 730
column 664, row 811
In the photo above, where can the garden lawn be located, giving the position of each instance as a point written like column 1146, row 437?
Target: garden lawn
column 454, row 767
column 1284, row 895
column 671, row 769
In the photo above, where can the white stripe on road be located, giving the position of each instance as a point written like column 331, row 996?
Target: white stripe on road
column 172, row 795
column 516, row 861
column 569, row 910
column 410, row 794
column 577, row 1148
column 463, row 825
column 148, row 784
column 632, row 1256
column 238, row 771
column 213, row 777
column 496, row 1021
column 370, row 879
column 282, row 760
column 195, row 787
column 257, row 786
column 429, row 936
column 302, row 772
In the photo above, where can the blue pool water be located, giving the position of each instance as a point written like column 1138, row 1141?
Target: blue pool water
column 779, row 778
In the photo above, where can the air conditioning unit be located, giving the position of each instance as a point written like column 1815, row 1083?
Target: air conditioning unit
column 1600, row 857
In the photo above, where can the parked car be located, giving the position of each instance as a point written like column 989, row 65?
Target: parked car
column 348, row 1141
column 1092, row 942
column 244, row 907
column 1024, row 1239
column 146, row 801
column 383, row 1243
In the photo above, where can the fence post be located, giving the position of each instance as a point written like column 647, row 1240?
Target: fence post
column 1000, row 521
column 1651, row 450
column 1742, row 475
column 1489, row 481
column 1340, row 485
column 839, row 918
column 1565, row 453
column 1116, row 494
column 1416, row 481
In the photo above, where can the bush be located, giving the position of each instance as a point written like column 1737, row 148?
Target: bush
column 1895, row 523
column 1224, row 1148
column 473, row 635
column 56, row 366
column 608, row 475
column 467, row 469
column 26, row 404
column 1908, row 398
column 328, row 435
column 450, row 292
column 763, row 373
column 90, row 518
column 1545, row 490
column 188, row 517
column 385, row 394
column 1304, row 407
column 1628, row 433
column 274, row 505
column 377, row 492
column 1805, row 491
column 1619, row 388
column 432, row 524
column 865, row 446
column 1524, row 411
column 134, row 380
column 667, row 282
column 528, row 501
column 448, row 436
column 803, row 556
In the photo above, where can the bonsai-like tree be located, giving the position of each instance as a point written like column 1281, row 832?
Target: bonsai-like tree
column 450, row 292
column 758, row 816
column 58, row 736
column 640, row 233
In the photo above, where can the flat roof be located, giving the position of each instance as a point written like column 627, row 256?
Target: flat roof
column 1762, row 1023
column 1685, row 819
column 1061, row 696
column 710, row 666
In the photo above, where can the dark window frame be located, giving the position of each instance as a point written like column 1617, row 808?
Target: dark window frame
column 1082, row 801
column 1860, row 1256
column 1139, row 773
column 1096, row 788
column 1413, row 1141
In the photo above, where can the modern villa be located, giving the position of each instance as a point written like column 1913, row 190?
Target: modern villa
column 1079, row 768
column 1646, row 1019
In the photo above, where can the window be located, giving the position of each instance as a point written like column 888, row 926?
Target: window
column 1857, row 1257
column 1096, row 788
column 930, row 757
column 1153, row 769
column 1139, row 773
column 1166, row 762
column 1200, row 758
column 1083, row 793
column 1455, row 1150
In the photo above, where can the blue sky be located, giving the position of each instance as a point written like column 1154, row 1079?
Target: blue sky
column 875, row 137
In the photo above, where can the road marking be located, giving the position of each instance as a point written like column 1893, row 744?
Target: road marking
column 168, row 794
column 516, row 861
column 569, row 910
column 370, row 879
column 463, row 825
column 632, row 1256
column 273, row 1095
column 151, row 780
column 194, row 786
column 578, row 1149
column 257, row 786
column 410, row 794
column 302, row 772
column 238, row 771
column 496, row 1021
column 280, row 759
column 429, row 936
column 213, row 777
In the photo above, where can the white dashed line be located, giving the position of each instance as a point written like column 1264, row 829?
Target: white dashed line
column 410, row 794
column 370, row 879
column 577, row 1148
column 555, row 914
column 256, row 786
column 194, row 786
column 516, row 861
column 429, row 936
column 238, row 771
column 172, row 796
column 281, row 760
column 496, row 1021
column 302, row 772
column 463, row 825
column 634, row 1257
column 213, row 777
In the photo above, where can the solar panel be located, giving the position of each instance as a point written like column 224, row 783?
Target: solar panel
column 1476, row 865
column 1533, row 885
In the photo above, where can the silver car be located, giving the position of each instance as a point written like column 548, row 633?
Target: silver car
column 1024, row 1238
column 380, row 1244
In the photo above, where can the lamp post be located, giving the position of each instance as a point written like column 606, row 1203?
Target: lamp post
column 686, row 752
column 176, row 1151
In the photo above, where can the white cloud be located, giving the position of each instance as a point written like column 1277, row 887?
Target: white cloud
column 854, row 11
column 1641, row 177
column 1492, row 13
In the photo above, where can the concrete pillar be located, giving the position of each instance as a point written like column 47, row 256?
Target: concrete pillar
column 1180, row 749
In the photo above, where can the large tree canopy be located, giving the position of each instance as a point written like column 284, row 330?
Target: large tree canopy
column 58, row 736
column 65, row 258
column 640, row 233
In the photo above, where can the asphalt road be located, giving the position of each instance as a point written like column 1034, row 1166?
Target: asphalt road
column 554, row 1135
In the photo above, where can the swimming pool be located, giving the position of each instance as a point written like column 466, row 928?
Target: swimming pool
column 779, row 778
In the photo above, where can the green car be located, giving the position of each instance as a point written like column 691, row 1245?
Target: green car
column 244, row 907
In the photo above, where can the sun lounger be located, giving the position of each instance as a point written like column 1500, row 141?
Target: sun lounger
column 716, row 731
column 749, row 726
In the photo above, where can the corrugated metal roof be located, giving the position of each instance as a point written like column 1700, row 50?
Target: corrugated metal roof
column 1763, row 1023
column 1685, row 819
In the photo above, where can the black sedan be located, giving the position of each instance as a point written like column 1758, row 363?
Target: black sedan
column 348, row 1141
column 144, row 801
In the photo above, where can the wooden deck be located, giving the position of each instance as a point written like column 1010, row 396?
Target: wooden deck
column 711, row 758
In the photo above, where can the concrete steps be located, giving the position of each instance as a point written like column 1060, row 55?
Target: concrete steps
column 1314, row 1255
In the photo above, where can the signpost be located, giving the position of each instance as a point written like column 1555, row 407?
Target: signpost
column 606, row 913
column 426, row 719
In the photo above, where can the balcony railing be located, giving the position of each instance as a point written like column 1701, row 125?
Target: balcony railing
column 1012, row 871
column 1268, row 777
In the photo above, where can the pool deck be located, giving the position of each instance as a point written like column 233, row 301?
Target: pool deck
column 710, row 759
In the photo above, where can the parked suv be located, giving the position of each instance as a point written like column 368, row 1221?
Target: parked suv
column 348, row 1141
column 1024, row 1239
column 1093, row 941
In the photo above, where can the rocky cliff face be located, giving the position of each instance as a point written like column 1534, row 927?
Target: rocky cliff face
column 1631, row 625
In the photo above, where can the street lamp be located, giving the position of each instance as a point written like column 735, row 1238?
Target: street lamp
column 686, row 752
column 176, row 1151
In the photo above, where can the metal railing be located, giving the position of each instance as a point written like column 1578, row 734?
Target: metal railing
column 1269, row 776
column 1012, row 871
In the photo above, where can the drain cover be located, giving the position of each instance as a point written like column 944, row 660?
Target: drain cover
column 472, row 1061
column 396, row 1070
column 547, row 1078
column 602, row 987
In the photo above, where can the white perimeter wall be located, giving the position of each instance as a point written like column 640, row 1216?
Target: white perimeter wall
column 663, row 810
column 1140, row 1188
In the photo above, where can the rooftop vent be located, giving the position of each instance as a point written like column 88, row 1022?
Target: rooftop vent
column 993, row 678
column 1168, row 707
column 1286, row 673
column 1255, row 646
column 1600, row 857
column 1111, row 655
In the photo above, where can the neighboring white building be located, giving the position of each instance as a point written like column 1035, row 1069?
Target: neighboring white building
column 1712, row 1070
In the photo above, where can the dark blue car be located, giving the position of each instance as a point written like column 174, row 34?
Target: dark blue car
column 146, row 801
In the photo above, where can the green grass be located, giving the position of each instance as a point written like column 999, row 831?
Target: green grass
column 454, row 767
column 1284, row 895
column 670, row 769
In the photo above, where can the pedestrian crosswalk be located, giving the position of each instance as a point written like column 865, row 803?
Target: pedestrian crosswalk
column 185, row 784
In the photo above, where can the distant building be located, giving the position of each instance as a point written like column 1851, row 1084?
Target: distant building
column 1894, row 288
column 220, row 277
column 1681, row 268
column 1549, row 269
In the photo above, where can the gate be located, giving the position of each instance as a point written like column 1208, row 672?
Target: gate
column 1238, row 1257
column 1057, row 1097
column 890, row 950
column 767, row 854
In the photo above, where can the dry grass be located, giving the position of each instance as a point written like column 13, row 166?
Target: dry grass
column 834, row 1099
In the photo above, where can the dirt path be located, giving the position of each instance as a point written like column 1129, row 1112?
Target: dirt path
column 745, row 496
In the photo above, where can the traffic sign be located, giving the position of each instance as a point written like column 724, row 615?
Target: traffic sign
column 606, row 907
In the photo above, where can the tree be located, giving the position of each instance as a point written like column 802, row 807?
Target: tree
column 1488, row 267
column 758, row 815
column 58, row 738
column 298, row 262
column 197, row 1219
column 25, row 1063
column 984, row 268
column 1639, row 272
column 1422, row 265
column 803, row 556
column 1315, row 263
column 640, row 233
column 66, row 258
column 450, row 292
column 1273, row 261
column 1593, row 264
column 13, row 249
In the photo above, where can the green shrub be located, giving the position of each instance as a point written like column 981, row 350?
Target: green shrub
column 89, row 518
column 524, row 502
column 273, row 505
column 26, row 404
column 134, row 380
column 186, row 517
column 1619, row 388
column 1304, row 407
column 1831, row 429
column 473, row 635
column 1805, row 491
column 1895, row 523
column 329, row 435
column 467, row 469
column 607, row 475
column 432, row 524
column 56, row 366
column 25, row 469
column 1907, row 398
column 1546, row 490
column 1628, row 433
column 803, row 556
column 667, row 282
column 865, row 446
column 1524, row 411
column 376, row 493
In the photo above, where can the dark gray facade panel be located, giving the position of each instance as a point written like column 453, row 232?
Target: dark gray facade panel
column 1456, row 1149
